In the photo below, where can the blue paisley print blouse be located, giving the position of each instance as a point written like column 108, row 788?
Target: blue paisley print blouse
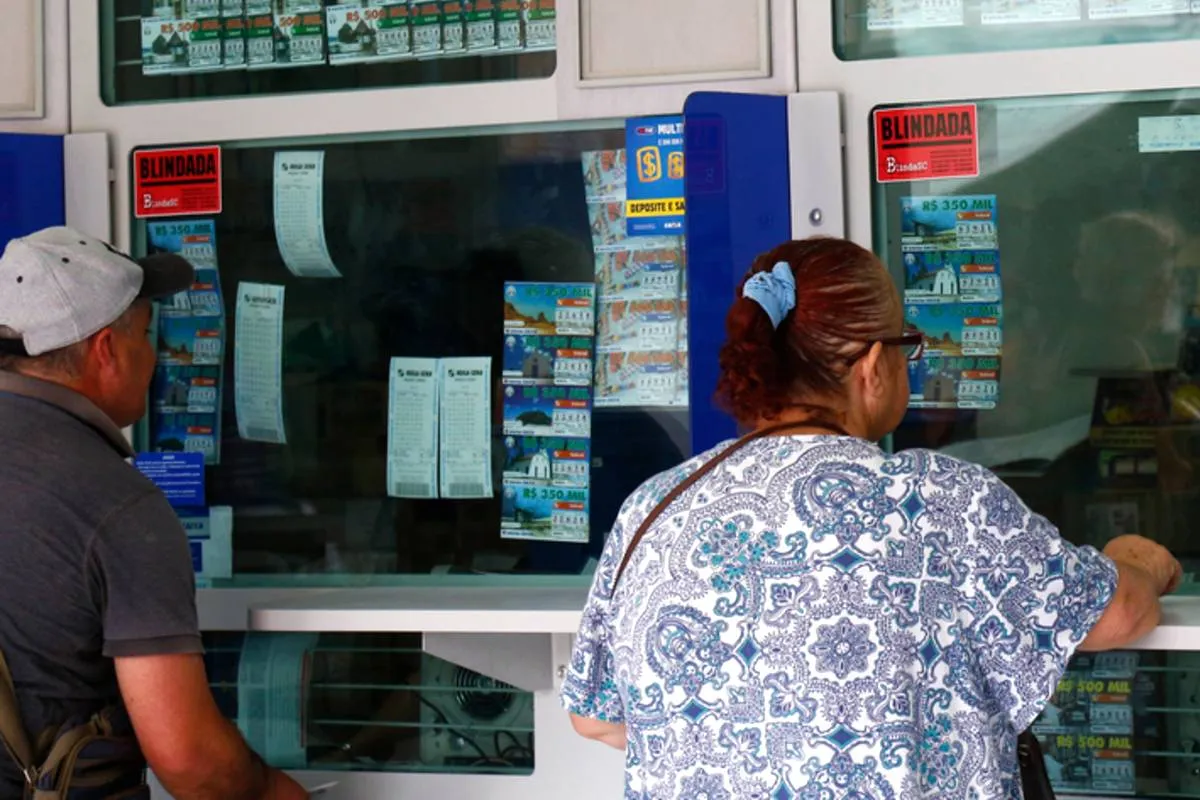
column 820, row 619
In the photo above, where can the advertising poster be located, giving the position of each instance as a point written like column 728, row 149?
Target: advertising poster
column 426, row 23
column 549, row 309
column 638, row 274
column 548, row 367
column 185, row 394
column 260, row 38
column 1006, row 12
column 299, row 206
column 393, row 33
column 187, row 433
column 1087, row 728
column 561, row 360
column 1124, row 9
column 953, row 294
column 454, row 27
column 654, row 203
column 481, row 26
column 413, row 427
column 186, row 341
column 884, row 15
column 465, row 427
column 352, row 33
column 604, row 175
column 541, row 23
column 641, row 379
column 176, row 45
column 508, row 25
column 177, row 182
column 258, row 363
column 299, row 35
column 926, row 143
column 533, row 510
column 233, row 35
column 210, row 539
column 549, row 460
column 186, row 389
column 641, row 326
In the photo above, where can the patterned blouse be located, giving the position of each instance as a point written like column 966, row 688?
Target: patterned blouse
column 820, row 619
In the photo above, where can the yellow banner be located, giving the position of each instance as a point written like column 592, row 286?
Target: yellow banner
column 654, row 208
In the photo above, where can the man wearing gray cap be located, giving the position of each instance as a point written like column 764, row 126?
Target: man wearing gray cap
column 97, row 600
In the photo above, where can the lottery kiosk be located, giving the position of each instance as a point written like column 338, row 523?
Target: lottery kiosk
column 461, row 270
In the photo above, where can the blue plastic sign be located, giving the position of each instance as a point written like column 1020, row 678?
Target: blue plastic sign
column 654, row 189
column 179, row 476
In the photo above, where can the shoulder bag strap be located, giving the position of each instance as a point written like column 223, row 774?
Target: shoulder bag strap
column 12, row 730
column 708, row 467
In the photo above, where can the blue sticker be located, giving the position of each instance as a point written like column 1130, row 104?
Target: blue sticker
column 179, row 476
column 654, row 190
column 197, row 548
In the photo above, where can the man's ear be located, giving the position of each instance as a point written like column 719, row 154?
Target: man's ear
column 102, row 347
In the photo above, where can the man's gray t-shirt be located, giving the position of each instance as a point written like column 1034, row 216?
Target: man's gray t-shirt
column 94, row 563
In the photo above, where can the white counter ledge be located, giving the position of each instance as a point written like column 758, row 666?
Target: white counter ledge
column 1179, row 628
column 537, row 610
column 427, row 610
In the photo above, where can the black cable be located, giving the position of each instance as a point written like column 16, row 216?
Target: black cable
column 446, row 722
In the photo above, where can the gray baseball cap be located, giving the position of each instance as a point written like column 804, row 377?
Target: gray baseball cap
column 59, row 286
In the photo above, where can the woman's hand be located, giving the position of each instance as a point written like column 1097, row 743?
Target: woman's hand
column 1151, row 557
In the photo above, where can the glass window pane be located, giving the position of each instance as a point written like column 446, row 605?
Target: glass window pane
column 159, row 50
column 1120, row 724
column 1070, row 267
column 367, row 702
column 423, row 235
column 897, row 28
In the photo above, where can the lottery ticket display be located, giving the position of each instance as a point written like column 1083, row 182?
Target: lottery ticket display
column 184, row 36
column 258, row 363
column 413, row 427
column 641, row 298
column 1087, row 730
column 547, row 367
column 190, row 335
column 885, row 15
column 952, row 294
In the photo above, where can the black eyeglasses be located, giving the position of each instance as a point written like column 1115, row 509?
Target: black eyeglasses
column 912, row 340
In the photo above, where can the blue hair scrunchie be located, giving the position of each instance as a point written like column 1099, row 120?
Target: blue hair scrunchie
column 775, row 291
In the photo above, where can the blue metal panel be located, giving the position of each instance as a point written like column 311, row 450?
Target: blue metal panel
column 738, row 197
column 31, row 184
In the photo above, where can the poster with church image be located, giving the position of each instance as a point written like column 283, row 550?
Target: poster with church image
column 952, row 276
column 954, row 382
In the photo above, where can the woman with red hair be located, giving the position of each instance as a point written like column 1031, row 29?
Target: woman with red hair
column 800, row 613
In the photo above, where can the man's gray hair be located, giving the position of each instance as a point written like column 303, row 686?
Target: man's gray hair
column 65, row 362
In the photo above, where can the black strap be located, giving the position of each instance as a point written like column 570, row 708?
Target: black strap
column 708, row 467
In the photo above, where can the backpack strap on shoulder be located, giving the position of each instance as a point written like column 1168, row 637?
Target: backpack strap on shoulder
column 12, row 729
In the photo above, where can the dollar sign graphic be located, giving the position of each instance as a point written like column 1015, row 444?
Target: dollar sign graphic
column 648, row 164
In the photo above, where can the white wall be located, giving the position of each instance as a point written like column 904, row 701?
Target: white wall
column 33, row 62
